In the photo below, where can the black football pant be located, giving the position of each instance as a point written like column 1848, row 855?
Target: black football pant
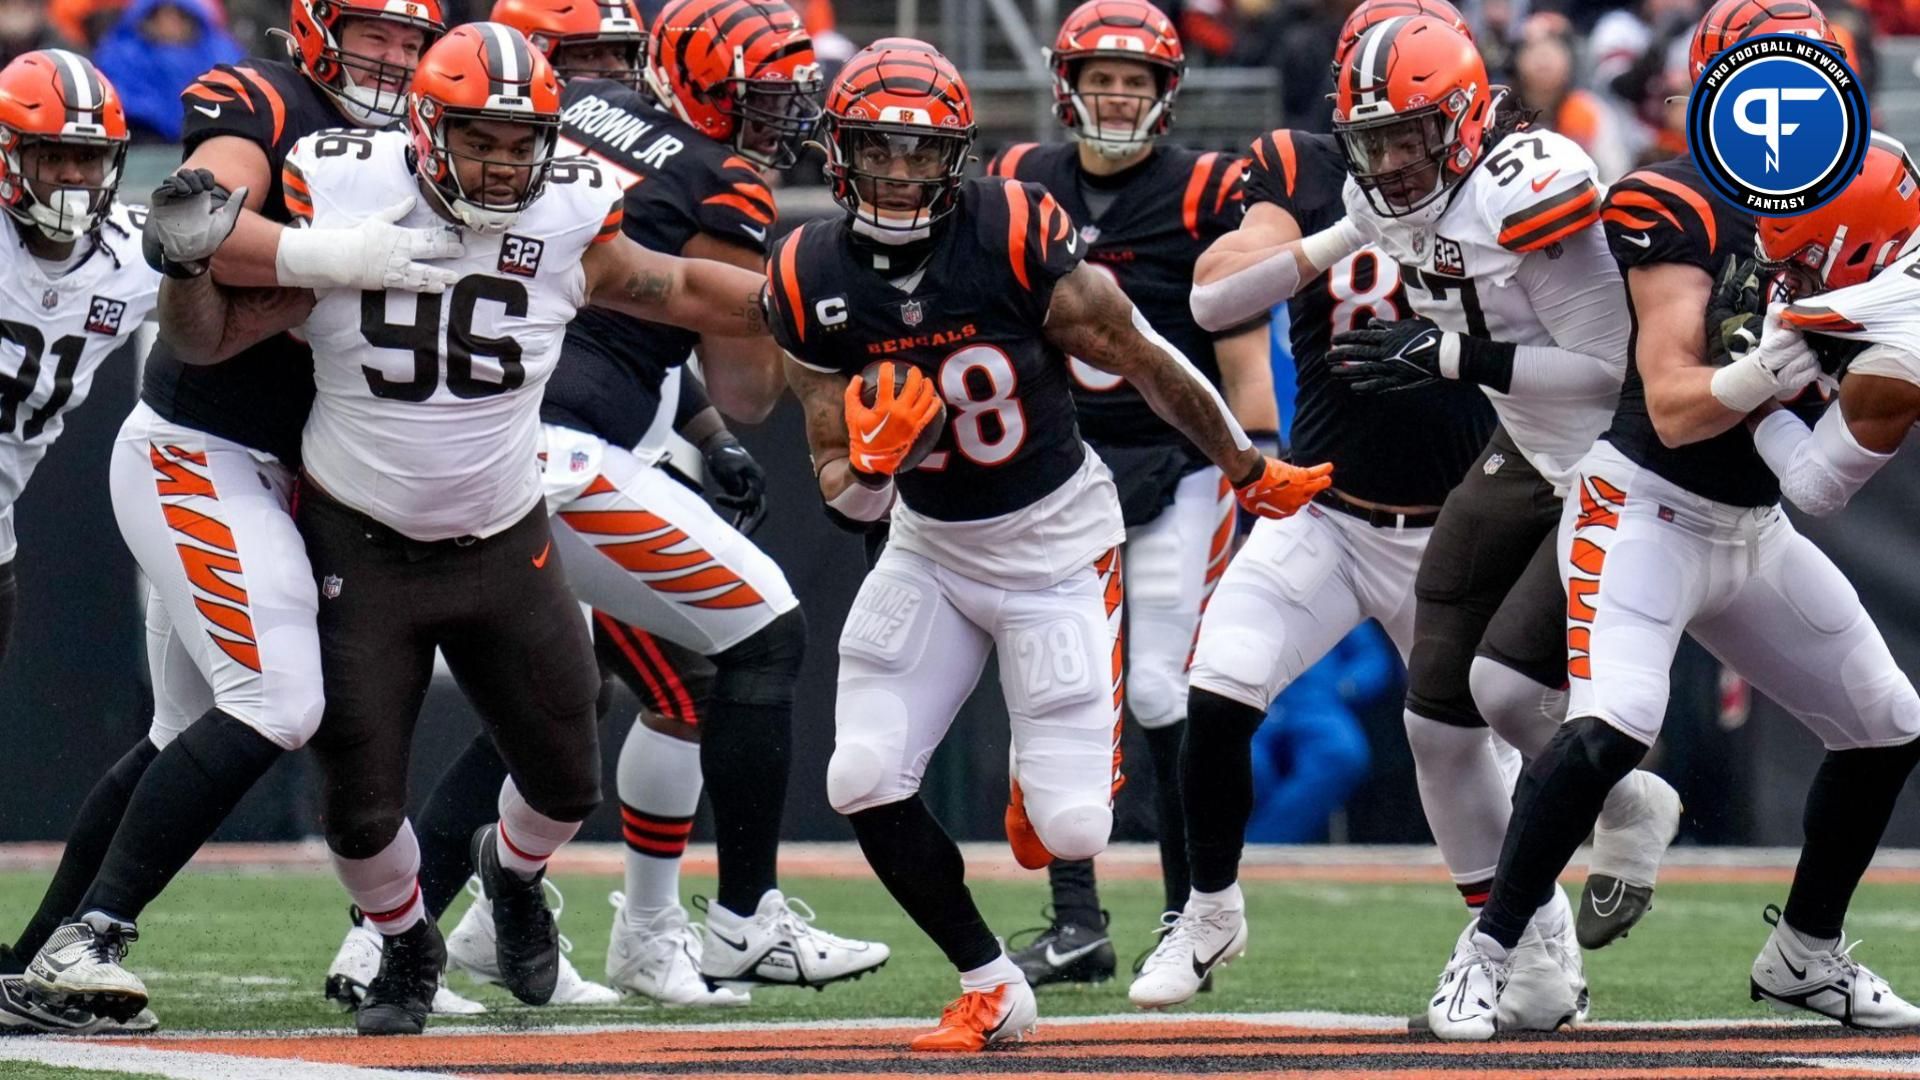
column 500, row 612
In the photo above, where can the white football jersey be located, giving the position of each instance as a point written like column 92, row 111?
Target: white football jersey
column 55, row 331
column 1884, row 311
column 427, row 411
column 1534, row 199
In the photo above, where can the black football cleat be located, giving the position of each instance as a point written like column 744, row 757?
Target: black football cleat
column 1067, row 953
column 526, row 941
column 399, row 998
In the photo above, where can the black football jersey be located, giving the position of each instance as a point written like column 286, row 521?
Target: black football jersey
column 1665, row 213
column 678, row 183
column 1164, row 214
column 1407, row 448
column 972, row 323
column 260, row 397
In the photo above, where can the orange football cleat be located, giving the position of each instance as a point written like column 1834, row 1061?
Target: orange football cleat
column 1028, row 851
column 980, row 1017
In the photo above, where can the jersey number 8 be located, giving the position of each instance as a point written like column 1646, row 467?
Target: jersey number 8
column 987, row 368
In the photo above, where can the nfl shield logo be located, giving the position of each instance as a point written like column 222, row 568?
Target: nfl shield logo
column 50, row 300
column 330, row 588
column 577, row 461
column 910, row 313
column 1089, row 234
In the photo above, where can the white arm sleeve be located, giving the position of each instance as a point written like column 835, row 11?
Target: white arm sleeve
column 863, row 503
column 1275, row 279
column 1580, row 308
column 1140, row 323
column 1820, row 469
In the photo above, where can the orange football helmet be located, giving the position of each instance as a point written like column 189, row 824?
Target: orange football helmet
column 1852, row 237
column 55, row 97
column 898, row 123
column 1372, row 13
column 1411, row 107
column 742, row 72
column 483, row 72
column 370, row 91
column 1730, row 22
column 558, row 28
column 1131, row 30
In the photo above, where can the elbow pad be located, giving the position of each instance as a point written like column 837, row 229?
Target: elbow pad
column 1824, row 467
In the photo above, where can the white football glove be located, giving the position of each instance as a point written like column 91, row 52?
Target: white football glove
column 1779, row 367
column 373, row 254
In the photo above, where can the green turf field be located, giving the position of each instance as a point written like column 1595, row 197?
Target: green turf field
column 249, row 951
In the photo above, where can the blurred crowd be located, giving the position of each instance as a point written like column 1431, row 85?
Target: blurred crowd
column 1607, row 76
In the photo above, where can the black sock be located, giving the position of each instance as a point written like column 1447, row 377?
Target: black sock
column 1554, row 808
column 1163, row 748
column 87, row 843
column 1847, row 810
column 186, row 793
column 744, row 752
column 1216, row 780
column 466, row 797
column 1076, row 899
column 921, row 866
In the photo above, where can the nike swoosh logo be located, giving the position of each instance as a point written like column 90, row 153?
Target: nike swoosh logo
column 212, row 113
column 869, row 436
column 757, row 234
column 1798, row 973
column 737, row 946
column 1540, row 185
column 1061, row 959
column 1637, row 239
column 1612, row 900
column 1200, row 969
column 540, row 560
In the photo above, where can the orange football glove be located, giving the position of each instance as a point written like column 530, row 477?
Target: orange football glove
column 1280, row 489
column 879, row 436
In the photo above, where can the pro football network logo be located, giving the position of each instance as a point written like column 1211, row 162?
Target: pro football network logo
column 1778, row 124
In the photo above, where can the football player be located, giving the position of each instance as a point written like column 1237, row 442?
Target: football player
column 731, row 87
column 1299, row 585
column 75, row 291
column 1674, row 525
column 968, row 296
column 201, row 475
column 420, row 459
column 1145, row 212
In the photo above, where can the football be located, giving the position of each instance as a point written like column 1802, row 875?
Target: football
column 870, row 390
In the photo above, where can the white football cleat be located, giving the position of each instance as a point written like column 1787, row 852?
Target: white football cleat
column 1547, row 983
column 779, row 945
column 358, row 961
column 80, row 966
column 1465, row 1007
column 662, row 961
column 470, row 948
column 980, row 1018
column 1192, row 943
column 1826, row 981
column 1637, row 823
column 22, row 1011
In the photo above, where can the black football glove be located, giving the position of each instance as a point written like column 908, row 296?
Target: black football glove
column 190, row 216
column 739, row 483
column 1735, row 312
column 1384, row 356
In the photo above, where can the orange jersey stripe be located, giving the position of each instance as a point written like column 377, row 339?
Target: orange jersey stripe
column 1008, row 163
column 1620, row 217
column 1532, row 233
column 1228, row 185
column 745, row 206
column 610, row 225
column 1689, row 196
column 647, row 556
column 612, row 522
column 274, row 101
column 739, row 596
column 790, row 281
column 709, row 577
column 1196, row 186
column 1017, row 232
column 199, row 526
column 1640, row 200
column 1812, row 319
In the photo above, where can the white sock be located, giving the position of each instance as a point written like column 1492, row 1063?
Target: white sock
column 386, row 886
column 1494, row 950
column 526, row 837
column 1207, row 903
column 997, row 972
column 1465, row 798
column 659, row 782
column 1554, row 916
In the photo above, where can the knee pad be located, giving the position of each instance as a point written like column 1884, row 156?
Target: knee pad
column 1073, row 832
column 855, row 779
column 1238, row 664
column 1520, row 710
column 763, row 669
column 1156, row 689
column 292, row 710
column 869, row 766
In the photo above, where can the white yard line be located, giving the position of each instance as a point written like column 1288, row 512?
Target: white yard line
column 105, row 1055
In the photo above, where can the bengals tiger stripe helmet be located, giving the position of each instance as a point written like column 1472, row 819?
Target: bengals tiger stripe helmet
column 898, row 128
column 742, row 72
column 1130, row 30
column 1372, row 13
column 1411, row 108
column 370, row 91
column 483, row 71
column 564, row 29
column 1851, row 238
column 55, row 97
column 1730, row 22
